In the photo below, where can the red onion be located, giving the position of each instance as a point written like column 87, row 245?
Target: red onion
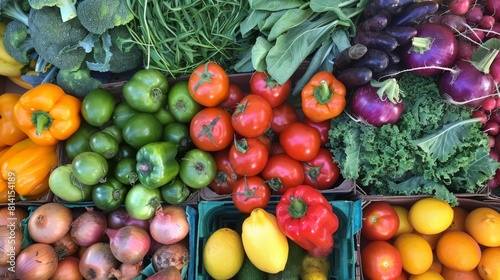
column 96, row 262
column 68, row 269
column 6, row 273
column 169, row 225
column 129, row 244
column 89, row 228
column 127, row 271
column 37, row 261
column 120, row 217
column 65, row 246
column 49, row 222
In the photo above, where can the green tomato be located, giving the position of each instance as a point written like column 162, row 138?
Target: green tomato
column 197, row 168
column 141, row 202
column 104, row 144
column 64, row 185
column 164, row 116
column 180, row 103
column 125, row 151
column 109, row 195
column 175, row 191
column 97, row 107
column 178, row 134
column 89, row 168
column 78, row 142
column 146, row 91
column 114, row 131
column 142, row 129
column 125, row 171
column 122, row 113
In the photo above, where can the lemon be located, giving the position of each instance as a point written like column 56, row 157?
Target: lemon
column 430, row 215
column 404, row 223
column 223, row 254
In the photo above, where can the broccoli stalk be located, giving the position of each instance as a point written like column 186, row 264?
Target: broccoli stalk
column 66, row 7
column 17, row 41
column 11, row 9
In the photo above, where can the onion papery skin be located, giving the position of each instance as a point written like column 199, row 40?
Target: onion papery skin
column 37, row 261
column 127, row 271
column 96, row 262
column 368, row 106
column 65, row 246
column 89, row 228
column 6, row 273
column 169, row 225
column 68, row 269
column 49, row 222
column 6, row 218
column 9, row 238
column 129, row 244
column 120, row 217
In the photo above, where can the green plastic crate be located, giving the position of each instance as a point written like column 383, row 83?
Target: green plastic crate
column 213, row 215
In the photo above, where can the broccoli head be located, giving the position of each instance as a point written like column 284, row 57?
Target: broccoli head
column 118, row 55
column 11, row 9
column 67, row 8
column 77, row 83
column 100, row 15
column 18, row 42
column 51, row 37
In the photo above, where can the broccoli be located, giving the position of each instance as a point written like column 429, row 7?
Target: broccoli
column 12, row 10
column 67, row 8
column 78, row 83
column 18, row 42
column 118, row 55
column 100, row 15
column 51, row 36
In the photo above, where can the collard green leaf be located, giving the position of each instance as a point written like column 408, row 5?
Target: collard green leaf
column 244, row 64
column 290, row 19
column 251, row 22
column 275, row 5
column 269, row 22
column 259, row 53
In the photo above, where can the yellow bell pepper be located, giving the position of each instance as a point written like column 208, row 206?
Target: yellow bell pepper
column 264, row 243
column 28, row 166
column 9, row 133
column 47, row 114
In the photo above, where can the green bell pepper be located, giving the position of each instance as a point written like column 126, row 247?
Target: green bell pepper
column 146, row 91
column 156, row 164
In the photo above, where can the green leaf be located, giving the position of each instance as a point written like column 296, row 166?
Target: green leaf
column 481, row 170
column 268, row 24
column 492, row 43
column 352, row 161
column 275, row 5
column 244, row 64
column 418, row 185
column 259, row 53
column 290, row 19
column 320, row 6
column 442, row 143
column 251, row 22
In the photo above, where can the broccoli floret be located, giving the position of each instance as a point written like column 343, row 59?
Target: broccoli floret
column 67, row 8
column 100, row 15
column 50, row 36
column 12, row 10
column 18, row 42
column 119, row 55
column 78, row 83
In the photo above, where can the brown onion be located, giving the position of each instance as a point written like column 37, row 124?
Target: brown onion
column 12, row 216
column 170, row 273
column 7, row 272
column 120, row 217
column 129, row 244
column 49, row 222
column 127, row 271
column 65, row 246
column 11, row 241
column 96, row 262
column 89, row 228
column 67, row 269
column 176, row 255
column 169, row 225
column 37, row 261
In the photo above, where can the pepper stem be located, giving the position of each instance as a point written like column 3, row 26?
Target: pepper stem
column 297, row 207
column 42, row 121
column 323, row 93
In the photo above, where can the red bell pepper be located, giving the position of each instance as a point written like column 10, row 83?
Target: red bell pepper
column 307, row 218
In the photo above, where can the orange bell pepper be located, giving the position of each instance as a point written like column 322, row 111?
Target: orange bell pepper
column 27, row 165
column 47, row 114
column 323, row 97
column 9, row 133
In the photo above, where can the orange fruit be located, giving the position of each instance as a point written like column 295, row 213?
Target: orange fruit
column 452, row 274
column 436, row 264
column 458, row 223
column 404, row 223
column 432, row 239
column 430, row 215
column 489, row 265
column 416, row 253
column 428, row 275
column 483, row 224
column 458, row 250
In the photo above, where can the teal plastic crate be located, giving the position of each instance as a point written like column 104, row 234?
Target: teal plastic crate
column 213, row 215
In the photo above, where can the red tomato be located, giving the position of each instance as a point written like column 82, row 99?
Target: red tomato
column 250, row 193
column 253, row 116
column 248, row 156
column 264, row 85
column 283, row 115
column 211, row 129
column 209, row 84
column 226, row 178
column 321, row 172
column 322, row 127
column 282, row 172
column 276, row 149
column 381, row 260
column 300, row 141
column 233, row 98
column 380, row 221
column 266, row 139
